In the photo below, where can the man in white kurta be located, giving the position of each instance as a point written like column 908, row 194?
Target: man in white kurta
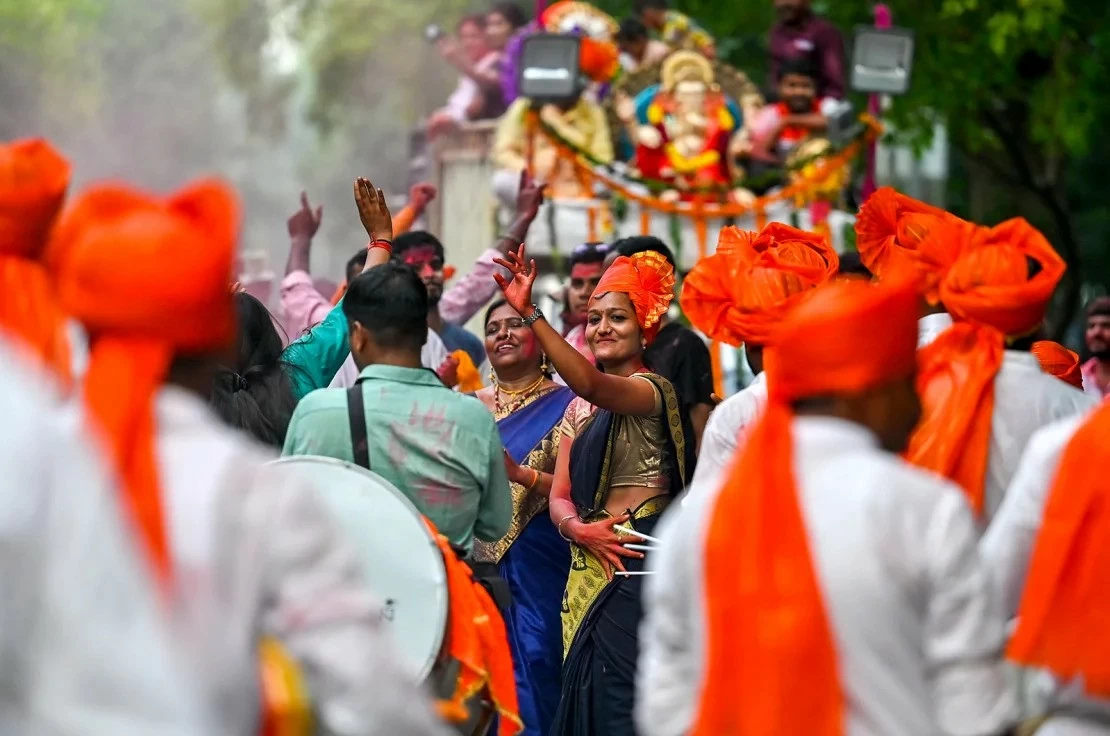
column 917, row 633
column 1007, row 548
column 84, row 649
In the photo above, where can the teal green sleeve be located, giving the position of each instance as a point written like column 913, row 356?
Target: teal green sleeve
column 495, row 510
column 313, row 359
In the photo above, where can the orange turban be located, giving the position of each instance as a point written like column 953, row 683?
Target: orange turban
column 148, row 277
column 899, row 234
column 742, row 291
column 648, row 279
column 33, row 182
column 989, row 292
column 1066, row 601
column 772, row 660
column 1057, row 360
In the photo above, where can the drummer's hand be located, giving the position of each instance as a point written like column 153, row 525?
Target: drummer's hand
column 518, row 289
column 602, row 540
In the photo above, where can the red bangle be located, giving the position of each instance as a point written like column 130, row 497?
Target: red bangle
column 382, row 243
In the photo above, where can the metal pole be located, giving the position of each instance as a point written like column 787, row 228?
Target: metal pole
column 883, row 19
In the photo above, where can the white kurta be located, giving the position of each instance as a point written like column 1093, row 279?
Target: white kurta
column 918, row 632
column 1025, row 399
column 255, row 553
column 1007, row 548
column 83, row 646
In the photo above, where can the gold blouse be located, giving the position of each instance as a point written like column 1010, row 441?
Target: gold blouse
column 639, row 458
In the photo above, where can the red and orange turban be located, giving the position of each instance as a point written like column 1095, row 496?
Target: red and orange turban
column 33, row 182
column 772, row 659
column 741, row 292
column 148, row 277
column 896, row 234
column 1056, row 360
column 990, row 293
column 1066, row 601
column 648, row 279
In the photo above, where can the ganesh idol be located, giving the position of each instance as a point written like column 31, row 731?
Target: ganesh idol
column 682, row 131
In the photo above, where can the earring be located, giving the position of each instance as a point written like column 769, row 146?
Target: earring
column 544, row 367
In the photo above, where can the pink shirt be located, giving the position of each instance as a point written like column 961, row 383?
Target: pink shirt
column 303, row 305
column 1090, row 380
column 470, row 293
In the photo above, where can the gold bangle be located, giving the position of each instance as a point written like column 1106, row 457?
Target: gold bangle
column 536, row 479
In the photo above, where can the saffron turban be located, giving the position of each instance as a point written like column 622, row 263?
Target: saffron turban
column 1057, row 360
column 742, row 292
column 148, row 277
column 1066, row 602
column 990, row 292
column 896, row 234
column 772, row 660
column 648, row 280
column 33, row 182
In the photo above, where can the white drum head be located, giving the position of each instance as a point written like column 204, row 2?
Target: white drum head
column 402, row 563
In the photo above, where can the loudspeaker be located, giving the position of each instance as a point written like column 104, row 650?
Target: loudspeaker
column 549, row 70
column 882, row 59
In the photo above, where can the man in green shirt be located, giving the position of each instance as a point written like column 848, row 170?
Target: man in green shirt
column 440, row 448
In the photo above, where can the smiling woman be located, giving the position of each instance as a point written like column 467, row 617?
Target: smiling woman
column 532, row 558
column 623, row 455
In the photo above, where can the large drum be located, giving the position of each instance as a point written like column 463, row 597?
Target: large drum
column 401, row 561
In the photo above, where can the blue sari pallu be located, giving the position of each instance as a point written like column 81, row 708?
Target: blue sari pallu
column 534, row 560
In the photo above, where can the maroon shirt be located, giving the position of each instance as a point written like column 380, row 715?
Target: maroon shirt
column 818, row 39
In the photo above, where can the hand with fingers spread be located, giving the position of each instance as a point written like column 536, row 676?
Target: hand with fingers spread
column 529, row 197
column 304, row 223
column 603, row 541
column 517, row 288
column 373, row 211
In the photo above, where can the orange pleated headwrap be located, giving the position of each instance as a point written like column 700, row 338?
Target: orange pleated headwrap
column 1066, row 601
column 896, row 234
column 33, row 182
column 648, row 280
column 989, row 292
column 1057, row 360
column 742, row 291
column 148, row 277
column 772, row 660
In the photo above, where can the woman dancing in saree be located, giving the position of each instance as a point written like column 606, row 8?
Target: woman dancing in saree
column 623, row 456
column 532, row 558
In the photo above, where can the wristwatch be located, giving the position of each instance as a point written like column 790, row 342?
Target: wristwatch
column 530, row 320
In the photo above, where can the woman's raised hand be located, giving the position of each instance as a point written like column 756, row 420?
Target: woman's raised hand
column 373, row 211
column 517, row 288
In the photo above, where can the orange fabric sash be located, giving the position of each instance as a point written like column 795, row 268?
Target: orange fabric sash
column 772, row 664
column 1056, row 360
column 1066, row 604
column 33, row 182
column 955, row 381
column 149, row 279
column 648, row 279
column 989, row 292
column 477, row 640
column 741, row 292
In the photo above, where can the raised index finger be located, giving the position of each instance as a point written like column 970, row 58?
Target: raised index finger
column 304, row 201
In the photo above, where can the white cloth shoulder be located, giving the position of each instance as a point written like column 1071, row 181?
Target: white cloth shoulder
column 84, row 647
column 432, row 356
column 256, row 553
column 735, row 416
column 1025, row 400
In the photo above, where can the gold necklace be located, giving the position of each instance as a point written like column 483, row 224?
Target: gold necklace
column 524, row 394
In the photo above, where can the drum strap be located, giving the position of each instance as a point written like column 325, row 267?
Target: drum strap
column 356, row 414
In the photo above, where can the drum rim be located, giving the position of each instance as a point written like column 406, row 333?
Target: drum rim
column 440, row 565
